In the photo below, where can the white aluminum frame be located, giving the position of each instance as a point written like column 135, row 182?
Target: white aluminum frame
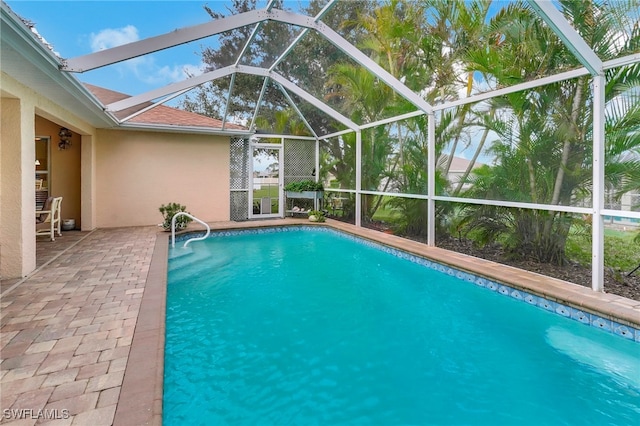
column 185, row 35
column 297, row 110
column 592, row 65
column 569, row 36
column 597, row 222
column 280, row 148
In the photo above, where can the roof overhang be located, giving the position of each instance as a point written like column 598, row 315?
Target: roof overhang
column 26, row 59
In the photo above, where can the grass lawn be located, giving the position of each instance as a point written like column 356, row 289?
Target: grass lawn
column 267, row 191
column 620, row 251
column 385, row 213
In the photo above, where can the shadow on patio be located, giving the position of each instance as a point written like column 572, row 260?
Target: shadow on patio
column 47, row 250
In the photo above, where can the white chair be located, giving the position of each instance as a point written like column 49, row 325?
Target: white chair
column 48, row 219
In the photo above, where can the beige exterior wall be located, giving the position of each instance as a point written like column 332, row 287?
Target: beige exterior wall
column 25, row 114
column 17, row 205
column 64, row 172
column 137, row 171
column 107, row 178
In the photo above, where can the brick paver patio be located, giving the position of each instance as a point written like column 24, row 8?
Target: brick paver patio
column 81, row 339
column 67, row 330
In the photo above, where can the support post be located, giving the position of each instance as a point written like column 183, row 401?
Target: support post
column 358, row 177
column 88, row 213
column 431, row 179
column 317, row 163
column 597, row 258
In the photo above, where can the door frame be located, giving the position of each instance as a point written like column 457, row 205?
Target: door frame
column 277, row 147
column 46, row 173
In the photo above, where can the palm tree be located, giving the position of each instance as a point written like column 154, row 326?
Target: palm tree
column 545, row 141
column 390, row 34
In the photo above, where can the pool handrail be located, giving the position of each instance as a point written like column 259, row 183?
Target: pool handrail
column 173, row 229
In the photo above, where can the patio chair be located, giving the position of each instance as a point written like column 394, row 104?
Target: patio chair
column 48, row 219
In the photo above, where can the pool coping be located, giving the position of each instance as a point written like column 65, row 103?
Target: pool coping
column 140, row 401
column 141, row 394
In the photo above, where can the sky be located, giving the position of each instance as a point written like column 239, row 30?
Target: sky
column 76, row 28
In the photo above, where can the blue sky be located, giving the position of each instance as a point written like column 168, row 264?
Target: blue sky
column 77, row 28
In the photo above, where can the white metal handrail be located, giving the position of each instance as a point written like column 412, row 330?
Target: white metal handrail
column 173, row 229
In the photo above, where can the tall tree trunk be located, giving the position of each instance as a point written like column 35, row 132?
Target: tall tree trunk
column 566, row 151
column 463, row 113
column 566, row 147
column 386, row 186
column 472, row 163
column 532, row 181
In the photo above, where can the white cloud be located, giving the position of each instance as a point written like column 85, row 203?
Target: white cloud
column 144, row 68
column 148, row 71
column 111, row 37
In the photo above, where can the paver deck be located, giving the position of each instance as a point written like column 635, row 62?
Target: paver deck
column 67, row 329
column 82, row 338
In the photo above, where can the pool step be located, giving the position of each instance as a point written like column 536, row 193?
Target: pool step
column 186, row 265
column 177, row 253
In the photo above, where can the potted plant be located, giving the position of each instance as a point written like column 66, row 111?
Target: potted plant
column 316, row 216
column 170, row 210
column 304, row 189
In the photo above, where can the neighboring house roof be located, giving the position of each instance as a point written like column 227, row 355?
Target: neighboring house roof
column 160, row 114
column 459, row 164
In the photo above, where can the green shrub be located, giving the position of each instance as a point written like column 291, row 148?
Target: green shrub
column 170, row 210
column 304, row 185
column 318, row 214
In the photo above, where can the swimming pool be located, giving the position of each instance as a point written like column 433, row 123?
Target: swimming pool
column 307, row 326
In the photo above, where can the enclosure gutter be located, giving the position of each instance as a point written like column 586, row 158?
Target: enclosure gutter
column 185, row 129
column 279, row 136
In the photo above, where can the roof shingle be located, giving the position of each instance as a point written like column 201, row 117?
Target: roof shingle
column 161, row 114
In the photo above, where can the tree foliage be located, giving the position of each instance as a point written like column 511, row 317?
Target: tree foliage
column 540, row 139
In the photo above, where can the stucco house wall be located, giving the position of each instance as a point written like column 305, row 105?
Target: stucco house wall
column 64, row 171
column 22, row 110
column 107, row 178
column 115, row 174
column 138, row 171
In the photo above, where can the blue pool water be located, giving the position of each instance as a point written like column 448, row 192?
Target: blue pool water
column 313, row 328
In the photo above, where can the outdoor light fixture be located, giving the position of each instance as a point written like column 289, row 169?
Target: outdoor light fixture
column 65, row 138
